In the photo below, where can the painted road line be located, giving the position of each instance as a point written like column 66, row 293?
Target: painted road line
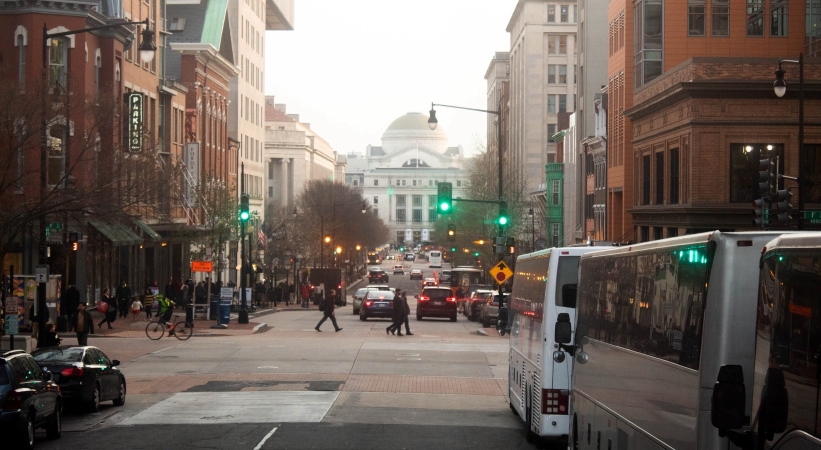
column 267, row 436
column 189, row 408
column 256, row 328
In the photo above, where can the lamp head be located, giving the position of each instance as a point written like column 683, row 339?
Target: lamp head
column 780, row 86
column 147, row 46
column 327, row 238
column 432, row 122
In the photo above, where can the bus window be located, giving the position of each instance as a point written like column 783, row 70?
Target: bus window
column 568, row 274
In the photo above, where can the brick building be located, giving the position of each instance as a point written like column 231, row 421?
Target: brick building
column 683, row 100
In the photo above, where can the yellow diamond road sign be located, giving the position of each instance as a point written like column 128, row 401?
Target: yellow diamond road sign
column 500, row 272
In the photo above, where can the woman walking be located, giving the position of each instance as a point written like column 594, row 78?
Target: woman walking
column 111, row 312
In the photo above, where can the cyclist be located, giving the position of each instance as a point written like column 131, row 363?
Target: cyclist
column 166, row 309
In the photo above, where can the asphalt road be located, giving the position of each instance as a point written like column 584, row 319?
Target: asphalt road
column 291, row 387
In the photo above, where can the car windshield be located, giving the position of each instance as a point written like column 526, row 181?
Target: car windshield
column 379, row 295
column 56, row 355
column 437, row 294
column 361, row 292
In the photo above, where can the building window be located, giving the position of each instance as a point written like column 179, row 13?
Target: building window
column 562, row 74
column 376, row 182
column 755, row 17
column 376, row 211
column 557, row 44
column 551, row 13
column 672, row 232
column 562, row 103
column 555, row 234
column 270, row 191
column 401, row 201
column 674, row 176
column 551, row 104
column 356, row 182
column 417, row 215
column 414, row 182
column 57, row 62
column 416, row 201
column 556, row 194
column 649, row 40
column 400, row 215
column 564, row 10
column 645, row 234
column 721, row 18
column 551, row 74
column 57, row 136
column 432, row 214
column 744, row 169
column 658, row 233
column 645, row 180
column 458, row 183
column 551, row 129
column 778, row 17
column 659, row 178
column 375, row 200
column 21, row 60
column 696, row 22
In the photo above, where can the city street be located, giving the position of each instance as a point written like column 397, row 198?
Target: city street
column 287, row 386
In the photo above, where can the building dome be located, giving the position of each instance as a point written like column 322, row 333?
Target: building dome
column 414, row 122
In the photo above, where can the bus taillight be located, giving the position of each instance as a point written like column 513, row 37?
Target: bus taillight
column 554, row 401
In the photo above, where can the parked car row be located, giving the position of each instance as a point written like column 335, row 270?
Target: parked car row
column 34, row 387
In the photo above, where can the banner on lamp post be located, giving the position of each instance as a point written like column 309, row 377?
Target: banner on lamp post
column 192, row 166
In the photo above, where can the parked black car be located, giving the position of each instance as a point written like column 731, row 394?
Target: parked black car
column 376, row 303
column 30, row 400
column 377, row 275
column 85, row 375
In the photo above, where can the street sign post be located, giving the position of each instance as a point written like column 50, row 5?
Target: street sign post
column 41, row 273
column 12, row 320
column 500, row 272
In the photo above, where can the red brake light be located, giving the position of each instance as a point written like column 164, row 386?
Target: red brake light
column 368, row 303
column 554, row 401
column 452, row 299
column 73, row 372
column 14, row 401
column 422, row 298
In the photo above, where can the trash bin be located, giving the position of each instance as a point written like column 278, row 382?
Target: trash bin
column 225, row 313
column 189, row 314
column 214, row 311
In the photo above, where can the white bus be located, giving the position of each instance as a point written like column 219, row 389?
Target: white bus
column 785, row 385
column 435, row 258
column 655, row 323
column 544, row 288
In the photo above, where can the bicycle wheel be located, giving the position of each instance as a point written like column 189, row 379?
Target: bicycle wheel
column 182, row 331
column 154, row 330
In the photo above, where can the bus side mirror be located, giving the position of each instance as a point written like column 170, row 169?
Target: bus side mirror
column 774, row 404
column 563, row 332
column 728, row 400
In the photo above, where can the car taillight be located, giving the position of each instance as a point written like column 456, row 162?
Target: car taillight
column 72, row 372
column 554, row 401
column 452, row 299
column 368, row 303
column 14, row 401
column 423, row 298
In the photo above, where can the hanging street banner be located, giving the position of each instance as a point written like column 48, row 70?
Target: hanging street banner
column 192, row 166
column 135, row 104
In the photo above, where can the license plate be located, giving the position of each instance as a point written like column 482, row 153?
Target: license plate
column 437, row 303
column 380, row 305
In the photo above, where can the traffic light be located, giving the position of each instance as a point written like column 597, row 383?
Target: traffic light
column 783, row 208
column 453, row 249
column 451, row 232
column 244, row 213
column 444, row 204
column 73, row 240
column 760, row 212
column 510, row 244
column 401, row 249
column 765, row 177
column 504, row 218
column 476, row 254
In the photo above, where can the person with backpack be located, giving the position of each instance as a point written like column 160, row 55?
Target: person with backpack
column 327, row 307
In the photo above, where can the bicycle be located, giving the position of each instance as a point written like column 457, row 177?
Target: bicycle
column 179, row 328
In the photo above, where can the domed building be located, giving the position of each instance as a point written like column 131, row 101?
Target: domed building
column 399, row 178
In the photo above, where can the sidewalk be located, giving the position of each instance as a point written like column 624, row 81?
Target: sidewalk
column 129, row 328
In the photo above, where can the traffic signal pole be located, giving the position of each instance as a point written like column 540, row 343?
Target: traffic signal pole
column 243, row 217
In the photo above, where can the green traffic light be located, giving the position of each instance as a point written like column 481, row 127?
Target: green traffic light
column 244, row 215
column 444, row 206
column 503, row 220
column 476, row 254
column 453, row 249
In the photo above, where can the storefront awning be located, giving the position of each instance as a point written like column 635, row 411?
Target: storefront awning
column 117, row 233
column 150, row 233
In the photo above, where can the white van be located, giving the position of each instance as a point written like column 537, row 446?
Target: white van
column 544, row 292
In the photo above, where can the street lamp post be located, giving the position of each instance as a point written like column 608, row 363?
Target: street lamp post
column 147, row 50
column 532, row 229
column 327, row 237
column 780, row 88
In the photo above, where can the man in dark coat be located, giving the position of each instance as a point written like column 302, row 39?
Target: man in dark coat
column 123, row 299
column 398, row 315
column 329, row 311
column 82, row 323
column 169, row 290
column 201, row 293
column 69, row 306
column 407, row 313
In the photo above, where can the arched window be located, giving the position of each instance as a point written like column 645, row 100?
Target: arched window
column 57, row 136
column 58, row 55
column 21, row 62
